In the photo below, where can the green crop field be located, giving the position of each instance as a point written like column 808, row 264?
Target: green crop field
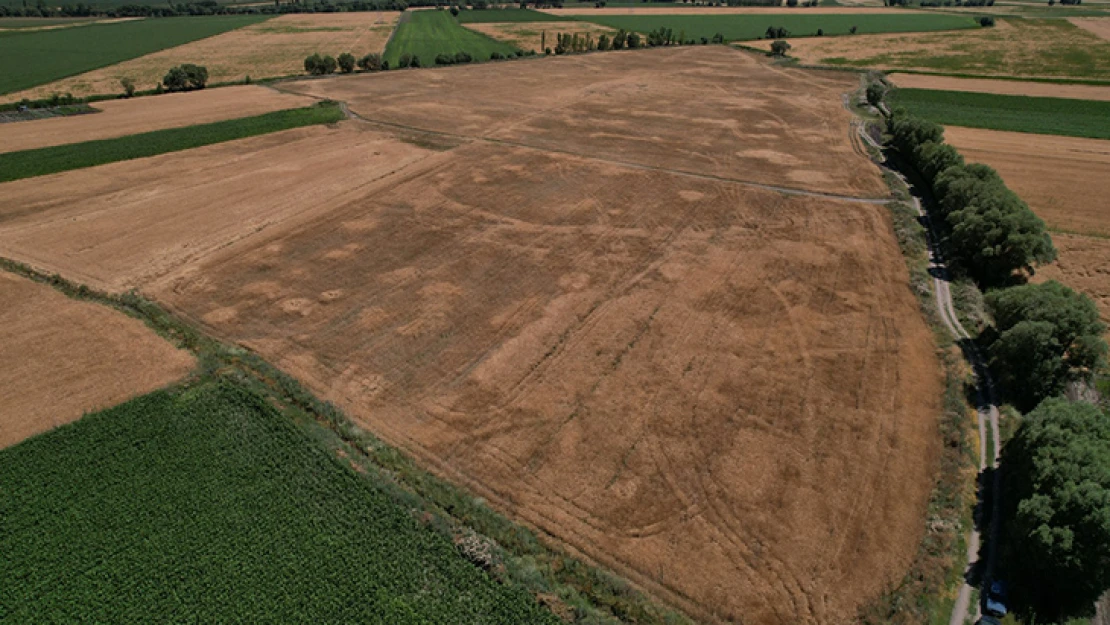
column 28, row 59
column 1050, row 116
column 738, row 27
column 426, row 34
column 206, row 505
column 506, row 15
column 54, row 159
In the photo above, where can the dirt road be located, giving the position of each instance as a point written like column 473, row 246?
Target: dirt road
column 987, row 404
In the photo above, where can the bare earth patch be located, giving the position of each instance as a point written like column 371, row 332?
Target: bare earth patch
column 1002, row 87
column 61, row 358
column 578, row 301
column 118, row 118
column 530, row 35
column 1099, row 26
column 276, row 47
column 1065, row 180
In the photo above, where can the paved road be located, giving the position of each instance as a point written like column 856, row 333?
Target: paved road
column 987, row 407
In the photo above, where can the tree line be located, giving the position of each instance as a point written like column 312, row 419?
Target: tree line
column 574, row 43
column 1054, row 548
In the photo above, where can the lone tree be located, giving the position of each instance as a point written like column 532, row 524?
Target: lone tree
column 779, row 47
column 1047, row 336
column 1055, row 515
column 128, row 87
column 185, row 77
column 346, row 62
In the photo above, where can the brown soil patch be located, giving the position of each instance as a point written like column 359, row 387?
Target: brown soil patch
column 529, row 35
column 671, row 10
column 1065, row 180
column 1002, row 87
column 276, row 47
column 118, row 225
column 576, row 306
column 1024, row 48
column 1099, row 26
column 127, row 117
column 61, row 358
column 1084, row 265
column 709, row 111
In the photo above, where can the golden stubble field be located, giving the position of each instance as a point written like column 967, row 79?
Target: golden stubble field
column 582, row 302
column 61, row 358
column 1066, row 181
column 117, row 118
column 276, row 47
column 1022, row 48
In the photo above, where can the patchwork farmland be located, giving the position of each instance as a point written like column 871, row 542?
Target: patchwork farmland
column 605, row 334
column 559, row 329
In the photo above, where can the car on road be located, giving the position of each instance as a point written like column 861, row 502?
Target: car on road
column 994, row 603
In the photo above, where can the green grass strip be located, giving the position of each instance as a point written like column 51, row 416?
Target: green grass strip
column 427, row 34
column 54, row 159
column 1049, row 116
column 739, row 27
column 32, row 58
column 206, row 504
column 506, row 15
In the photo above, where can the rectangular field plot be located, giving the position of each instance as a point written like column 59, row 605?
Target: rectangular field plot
column 711, row 111
column 61, row 358
column 206, row 505
column 724, row 393
column 119, row 225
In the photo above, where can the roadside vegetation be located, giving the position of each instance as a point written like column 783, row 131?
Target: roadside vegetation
column 422, row 36
column 1046, row 344
column 257, row 415
column 1049, row 116
column 29, row 59
column 54, row 159
column 205, row 503
column 736, row 27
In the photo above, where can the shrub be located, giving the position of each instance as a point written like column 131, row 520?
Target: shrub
column 405, row 60
column 460, row 57
column 454, row 10
column 128, row 87
column 371, row 62
column 346, row 62
column 496, row 56
column 820, row 32
column 444, row 59
column 603, row 42
column 633, row 41
column 779, row 47
column 415, row 61
column 986, row 22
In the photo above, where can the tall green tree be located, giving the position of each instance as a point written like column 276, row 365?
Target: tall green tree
column 1056, row 512
column 1047, row 335
column 996, row 234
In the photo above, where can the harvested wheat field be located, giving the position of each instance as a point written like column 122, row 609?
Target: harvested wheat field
column 749, row 121
column 1024, row 48
column 1084, row 265
column 119, row 225
column 1099, row 26
column 61, row 358
column 583, row 301
column 276, row 47
column 1001, row 87
column 530, row 35
column 770, row 11
column 724, row 392
column 1065, row 180
column 117, row 118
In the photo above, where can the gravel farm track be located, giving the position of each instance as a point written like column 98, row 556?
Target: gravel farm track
column 672, row 332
